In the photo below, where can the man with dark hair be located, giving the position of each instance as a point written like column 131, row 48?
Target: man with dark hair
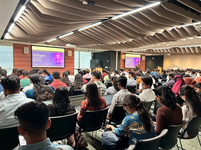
column 119, row 96
column 131, row 81
column 123, row 71
column 171, row 81
column 116, row 73
column 11, row 99
column 25, row 81
column 147, row 94
column 3, row 72
column 96, row 78
column 34, row 120
column 56, row 82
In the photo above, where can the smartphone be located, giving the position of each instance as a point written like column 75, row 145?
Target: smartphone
column 22, row 140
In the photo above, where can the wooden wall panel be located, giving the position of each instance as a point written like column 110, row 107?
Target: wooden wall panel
column 23, row 61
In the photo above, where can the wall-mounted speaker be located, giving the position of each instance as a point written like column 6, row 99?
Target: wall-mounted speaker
column 26, row 50
column 70, row 53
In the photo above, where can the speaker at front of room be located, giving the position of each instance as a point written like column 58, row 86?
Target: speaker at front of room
column 94, row 63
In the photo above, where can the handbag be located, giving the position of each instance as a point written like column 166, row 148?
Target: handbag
column 76, row 140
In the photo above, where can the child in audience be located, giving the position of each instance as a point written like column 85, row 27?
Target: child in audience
column 61, row 103
column 192, row 107
column 77, row 84
column 92, row 101
column 136, row 125
column 170, row 113
column 114, row 88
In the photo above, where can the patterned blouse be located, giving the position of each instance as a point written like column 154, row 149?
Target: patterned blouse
column 133, row 127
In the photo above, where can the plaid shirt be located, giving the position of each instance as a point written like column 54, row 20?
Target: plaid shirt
column 100, row 85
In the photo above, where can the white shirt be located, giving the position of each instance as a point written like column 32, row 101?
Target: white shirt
column 8, row 105
column 71, row 78
column 147, row 95
column 28, row 88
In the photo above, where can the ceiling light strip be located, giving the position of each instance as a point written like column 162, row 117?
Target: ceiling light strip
column 136, row 10
column 51, row 40
column 67, row 34
column 19, row 13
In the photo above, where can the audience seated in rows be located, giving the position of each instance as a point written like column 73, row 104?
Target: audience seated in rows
column 65, row 78
column 136, row 125
column 131, row 81
column 192, row 105
column 92, row 100
column 77, row 84
column 56, row 82
column 96, row 78
column 25, row 81
column 119, row 96
column 87, row 75
column 170, row 113
column 10, row 99
column 147, row 94
column 40, row 91
column 61, row 103
column 34, row 120
column 114, row 88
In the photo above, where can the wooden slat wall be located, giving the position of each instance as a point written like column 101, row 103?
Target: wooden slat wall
column 122, row 62
column 23, row 61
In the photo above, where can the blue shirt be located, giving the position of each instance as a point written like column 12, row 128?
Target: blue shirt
column 133, row 126
column 1, row 88
column 44, row 145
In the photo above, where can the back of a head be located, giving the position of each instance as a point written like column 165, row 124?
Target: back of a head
column 65, row 74
column 33, row 117
column 3, row 72
column 56, row 75
column 81, row 72
column 87, row 70
column 78, row 81
column 20, row 71
column 147, row 80
column 122, row 70
column 35, row 78
column 97, row 74
column 134, row 102
column 116, row 72
column 197, row 85
column 25, row 73
column 46, row 72
column 138, row 74
column 14, row 71
column 11, row 83
column 68, row 72
column 122, row 80
column 61, row 96
column 193, row 71
column 171, row 75
column 131, row 73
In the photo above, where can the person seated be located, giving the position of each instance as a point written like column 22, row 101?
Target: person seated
column 82, row 73
column 25, row 81
column 32, row 81
column 171, row 81
column 192, row 105
column 71, row 77
column 170, row 113
column 1, row 87
column 19, row 73
column 197, row 88
column 3, row 72
column 131, row 81
column 189, row 81
column 46, row 75
column 147, row 94
column 96, row 78
column 14, row 72
column 107, row 78
column 65, row 78
column 157, row 75
column 119, row 96
column 87, row 75
column 136, row 125
column 193, row 74
column 56, row 82
column 112, row 72
column 198, row 79
column 11, row 100
column 114, row 88
column 138, row 78
column 77, row 84
column 122, row 71
column 61, row 103
column 116, row 73
column 92, row 101
column 34, row 121
column 40, row 91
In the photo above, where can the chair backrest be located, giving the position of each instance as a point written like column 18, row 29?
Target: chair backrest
column 62, row 126
column 76, row 92
column 193, row 127
column 170, row 139
column 118, row 115
column 108, row 98
column 131, row 89
column 9, row 137
column 93, row 119
column 147, row 105
column 149, row 144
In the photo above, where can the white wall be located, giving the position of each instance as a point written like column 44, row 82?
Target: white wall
column 182, row 61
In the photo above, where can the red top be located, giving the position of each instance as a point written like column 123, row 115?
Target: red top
column 85, row 81
column 57, row 83
column 104, row 74
column 85, row 106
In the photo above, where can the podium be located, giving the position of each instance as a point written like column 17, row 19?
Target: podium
column 99, row 69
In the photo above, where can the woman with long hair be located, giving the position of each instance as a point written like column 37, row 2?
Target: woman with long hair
column 61, row 103
column 77, row 85
column 192, row 105
column 14, row 71
column 40, row 91
column 170, row 113
column 114, row 88
column 65, row 78
column 92, row 100
column 136, row 125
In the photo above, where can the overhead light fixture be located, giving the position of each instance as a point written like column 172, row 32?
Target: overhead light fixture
column 92, row 25
column 51, row 40
column 19, row 13
column 136, row 10
column 6, row 35
column 186, row 25
column 67, row 34
column 11, row 27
